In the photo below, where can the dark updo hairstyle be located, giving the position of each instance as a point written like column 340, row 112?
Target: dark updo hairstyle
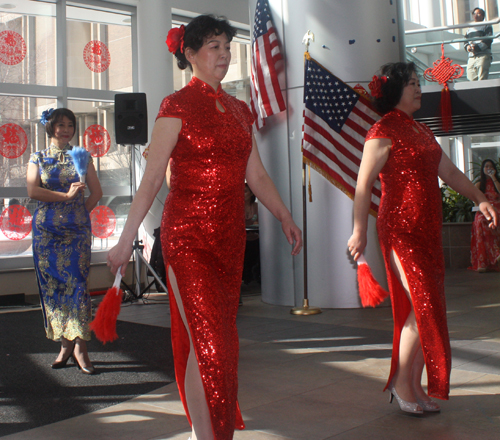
column 398, row 76
column 482, row 182
column 55, row 117
column 198, row 30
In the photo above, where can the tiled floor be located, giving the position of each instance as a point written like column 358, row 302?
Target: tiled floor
column 321, row 377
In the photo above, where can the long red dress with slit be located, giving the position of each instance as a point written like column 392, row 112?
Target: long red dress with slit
column 203, row 239
column 485, row 242
column 410, row 222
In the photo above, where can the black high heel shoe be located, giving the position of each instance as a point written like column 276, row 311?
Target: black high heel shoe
column 62, row 364
column 84, row 370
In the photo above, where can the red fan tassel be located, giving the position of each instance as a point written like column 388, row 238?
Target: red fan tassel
column 370, row 291
column 104, row 323
column 445, row 105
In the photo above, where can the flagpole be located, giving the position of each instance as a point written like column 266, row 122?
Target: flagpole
column 305, row 309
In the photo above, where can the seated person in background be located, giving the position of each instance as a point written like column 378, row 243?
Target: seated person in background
column 251, row 267
column 485, row 242
column 478, row 51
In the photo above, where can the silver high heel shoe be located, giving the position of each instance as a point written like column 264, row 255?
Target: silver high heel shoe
column 429, row 405
column 409, row 407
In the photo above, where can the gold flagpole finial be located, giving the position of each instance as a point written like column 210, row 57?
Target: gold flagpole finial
column 308, row 37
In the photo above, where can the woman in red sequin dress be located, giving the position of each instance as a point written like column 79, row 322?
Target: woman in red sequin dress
column 408, row 160
column 485, row 242
column 208, row 135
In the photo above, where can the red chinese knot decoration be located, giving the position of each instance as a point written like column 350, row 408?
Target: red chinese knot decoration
column 13, row 141
column 96, row 140
column 12, row 48
column 443, row 72
column 15, row 222
column 96, row 56
column 103, row 221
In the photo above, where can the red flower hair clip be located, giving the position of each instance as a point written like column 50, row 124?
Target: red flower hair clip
column 375, row 85
column 175, row 39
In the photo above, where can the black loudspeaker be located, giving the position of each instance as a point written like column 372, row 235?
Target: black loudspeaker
column 131, row 118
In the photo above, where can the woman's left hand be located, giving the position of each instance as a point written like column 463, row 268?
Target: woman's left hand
column 293, row 234
column 490, row 213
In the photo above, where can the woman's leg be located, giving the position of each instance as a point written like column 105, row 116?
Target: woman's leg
column 418, row 368
column 409, row 345
column 193, row 386
column 81, row 353
column 66, row 350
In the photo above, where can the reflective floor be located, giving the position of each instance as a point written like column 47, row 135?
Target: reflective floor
column 321, row 377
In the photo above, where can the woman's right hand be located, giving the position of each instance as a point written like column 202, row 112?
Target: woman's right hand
column 118, row 256
column 357, row 244
column 75, row 189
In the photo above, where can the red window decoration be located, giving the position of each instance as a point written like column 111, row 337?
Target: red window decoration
column 13, row 141
column 96, row 140
column 12, row 48
column 103, row 221
column 15, row 222
column 96, row 56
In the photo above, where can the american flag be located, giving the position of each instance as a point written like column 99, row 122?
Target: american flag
column 336, row 120
column 266, row 97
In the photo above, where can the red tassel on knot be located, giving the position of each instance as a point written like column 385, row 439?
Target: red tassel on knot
column 104, row 323
column 445, row 107
column 370, row 291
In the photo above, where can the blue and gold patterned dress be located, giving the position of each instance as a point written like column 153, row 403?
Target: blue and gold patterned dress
column 61, row 250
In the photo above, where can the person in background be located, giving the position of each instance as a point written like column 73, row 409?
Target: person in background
column 208, row 134
column 406, row 156
column 485, row 242
column 478, row 51
column 62, row 239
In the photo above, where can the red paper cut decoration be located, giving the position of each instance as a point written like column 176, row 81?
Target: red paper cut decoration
column 15, row 222
column 103, row 221
column 96, row 56
column 442, row 73
column 96, row 140
column 12, row 48
column 13, row 141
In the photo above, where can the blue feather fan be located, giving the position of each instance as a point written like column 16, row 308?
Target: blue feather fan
column 81, row 160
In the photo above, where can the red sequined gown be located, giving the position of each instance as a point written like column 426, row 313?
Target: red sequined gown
column 485, row 242
column 409, row 222
column 203, row 239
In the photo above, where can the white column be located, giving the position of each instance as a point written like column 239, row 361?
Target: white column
column 352, row 40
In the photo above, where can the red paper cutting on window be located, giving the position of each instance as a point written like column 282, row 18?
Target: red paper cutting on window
column 15, row 222
column 12, row 48
column 13, row 141
column 96, row 140
column 96, row 56
column 103, row 221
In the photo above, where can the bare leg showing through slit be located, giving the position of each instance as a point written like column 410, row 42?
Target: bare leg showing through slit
column 410, row 362
column 194, row 391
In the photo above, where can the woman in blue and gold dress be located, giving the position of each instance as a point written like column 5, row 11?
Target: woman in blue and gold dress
column 62, row 239
column 208, row 134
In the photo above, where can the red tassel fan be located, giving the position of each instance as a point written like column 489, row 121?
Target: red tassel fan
column 370, row 291
column 104, row 323
column 442, row 73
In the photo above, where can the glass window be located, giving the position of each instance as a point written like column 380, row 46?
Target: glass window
column 101, row 29
column 27, row 43
column 99, row 45
column 484, row 147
